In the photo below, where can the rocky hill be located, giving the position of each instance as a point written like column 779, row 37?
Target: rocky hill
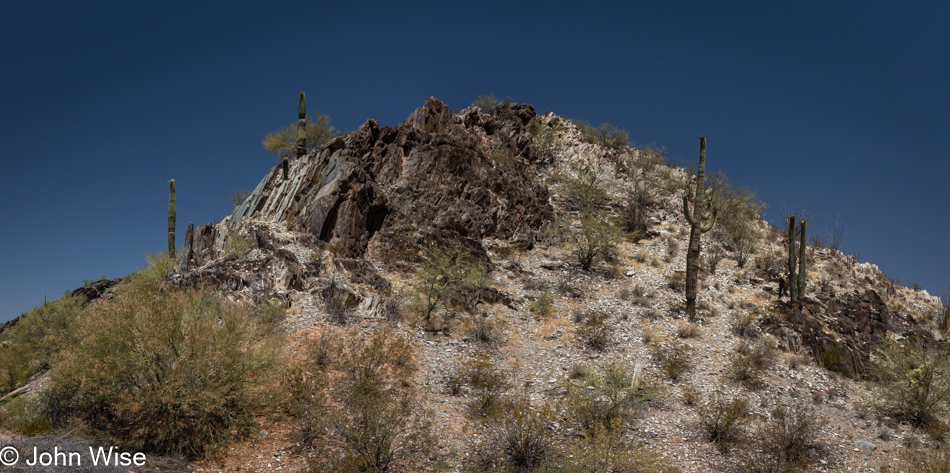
column 501, row 207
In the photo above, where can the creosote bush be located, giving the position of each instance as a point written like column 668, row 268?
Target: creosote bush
column 605, row 135
column 721, row 417
column 360, row 413
column 487, row 383
column 913, row 379
column 181, row 372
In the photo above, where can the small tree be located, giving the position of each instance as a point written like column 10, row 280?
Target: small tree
column 317, row 131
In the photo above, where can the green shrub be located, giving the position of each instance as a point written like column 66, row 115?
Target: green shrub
column 913, row 380
column 181, row 372
column 26, row 348
column 605, row 135
column 721, row 417
column 543, row 304
column 283, row 142
column 445, row 274
column 607, row 395
column 364, row 416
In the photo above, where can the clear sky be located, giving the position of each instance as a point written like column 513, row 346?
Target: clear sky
column 836, row 107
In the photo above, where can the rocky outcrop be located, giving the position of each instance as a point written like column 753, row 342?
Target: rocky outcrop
column 436, row 175
column 839, row 331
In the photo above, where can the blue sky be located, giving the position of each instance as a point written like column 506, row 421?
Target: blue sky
column 826, row 106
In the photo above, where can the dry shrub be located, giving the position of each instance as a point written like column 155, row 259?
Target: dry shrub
column 745, row 325
column 486, row 330
column 676, row 280
column 594, row 331
column 721, row 418
column 608, row 395
column 782, row 442
column 607, row 450
column 687, row 330
column 517, row 437
column 749, row 363
column 487, row 383
column 921, row 461
column 364, row 415
column 181, row 372
column 674, row 359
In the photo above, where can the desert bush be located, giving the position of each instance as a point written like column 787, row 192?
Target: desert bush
column 608, row 395
column 488, row 103
column 942, row 312
column 270, row 313
column 737, row 217
column 921, row 461
column 181, row 372
column 337, row 301
column 781, row 443
column 486, row 330
column 687, row 330
column 676, row 280
column 26, row 348
column 517, row 438
column 721, row 418
column 239, row 197
column 317, row 133
column 445, row 274
column 714, row 256
column 745, row 324
column 674, row 359
column 547, row 138
column 605, row 135
column 606, row 450
column 487, row 383
column 237, row 245
column 366, row 416
column 836, row 358
column 594, row 332
column 749, row 363
column 913, row 379
column 639, row 201
column 543, row 304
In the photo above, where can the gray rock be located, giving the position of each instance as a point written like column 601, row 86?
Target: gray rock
column 865, row 445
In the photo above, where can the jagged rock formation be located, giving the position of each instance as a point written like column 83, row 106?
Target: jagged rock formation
column 457, row 178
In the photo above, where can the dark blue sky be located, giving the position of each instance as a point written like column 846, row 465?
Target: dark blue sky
column 835, row 107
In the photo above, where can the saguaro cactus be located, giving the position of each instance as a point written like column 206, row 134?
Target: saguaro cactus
column 302, row 126
column 796, row 262
column 698, row 198
column 171, row 218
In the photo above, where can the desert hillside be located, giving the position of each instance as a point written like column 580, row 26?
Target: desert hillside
column 489, row 290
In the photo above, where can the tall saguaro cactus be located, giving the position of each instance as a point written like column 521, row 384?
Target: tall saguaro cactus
column 302, row 126
column 171, row 218
column 702, row 211
column 796, row 272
